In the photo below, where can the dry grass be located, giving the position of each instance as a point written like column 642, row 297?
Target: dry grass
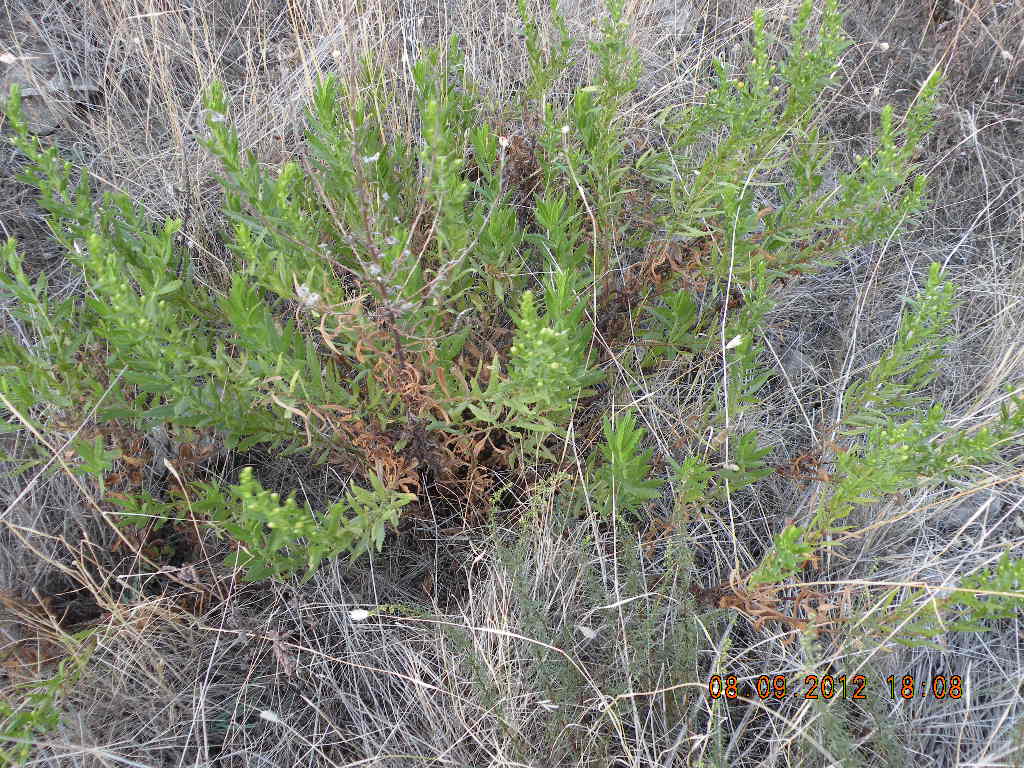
column 488, row 642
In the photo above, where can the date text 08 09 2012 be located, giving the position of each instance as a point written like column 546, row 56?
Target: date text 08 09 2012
column 831, row 687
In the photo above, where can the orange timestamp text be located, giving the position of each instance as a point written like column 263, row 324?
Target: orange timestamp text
column 829, row 687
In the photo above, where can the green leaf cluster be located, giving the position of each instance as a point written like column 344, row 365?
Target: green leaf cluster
column 29, row 711
column 893, row 386
column 32, row 716
column 985, row 596
column 900, row 446
column 788, row 553
column 764, row 182
column 366, row 280
column 621, row 481
column 281, row 539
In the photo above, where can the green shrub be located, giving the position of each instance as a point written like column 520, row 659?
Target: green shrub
column 363, row 322
column 621, row 480
column 898, row 444
column 33, row 715
column 982, row 597
column 268, row 533
column 29, row 710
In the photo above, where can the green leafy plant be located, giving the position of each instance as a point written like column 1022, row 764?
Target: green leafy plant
column 900, row 446
column 140, row 510
column 985, row 596
column 548, row 366
column 545, row 67
column 621, row 480
column 282, row 539
column 907, row 446
column 690, row 480
column 892, row 386
column 671, row 328
column 787, row 556
column 34, row 714
column 30, row 711
column 362, row 320
column 771, row 141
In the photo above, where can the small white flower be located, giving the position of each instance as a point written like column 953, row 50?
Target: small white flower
column 565, row 130
column 270, row 717
column 371, row 158
column 503, row 141
column 386, row 197
column 586, row 631
column 359, row 614
column 883, row 47
column 307, row 298
column 736, row 341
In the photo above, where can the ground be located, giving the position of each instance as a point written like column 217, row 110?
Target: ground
column 188, row 671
